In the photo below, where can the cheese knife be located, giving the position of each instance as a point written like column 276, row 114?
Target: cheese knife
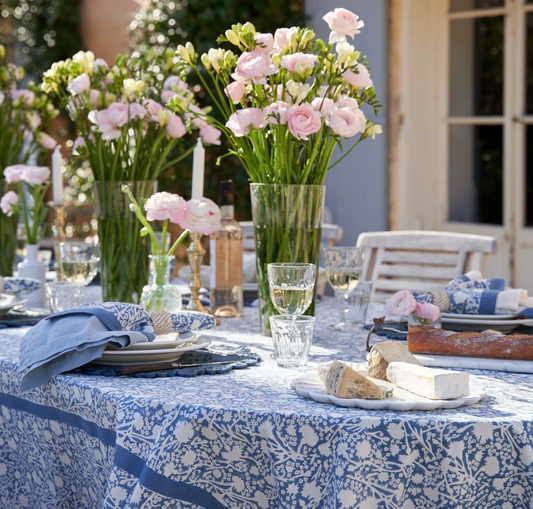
column 157, row 366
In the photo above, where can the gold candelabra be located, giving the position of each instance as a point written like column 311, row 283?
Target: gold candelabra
column 195, row 253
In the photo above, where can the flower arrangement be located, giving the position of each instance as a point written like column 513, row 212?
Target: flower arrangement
column 403, row 305
column 125, row 131
column 287, row 98
column 35, row 179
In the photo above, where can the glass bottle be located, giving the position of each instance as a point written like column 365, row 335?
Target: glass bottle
column 226, row 259
column 159, row 294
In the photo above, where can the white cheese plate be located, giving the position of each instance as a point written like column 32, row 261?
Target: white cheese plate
column 448, row 361
column 310, row 387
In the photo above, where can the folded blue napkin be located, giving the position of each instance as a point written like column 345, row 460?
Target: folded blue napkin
column 70, row 339
column 18, row 285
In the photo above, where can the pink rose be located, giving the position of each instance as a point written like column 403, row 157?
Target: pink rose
column 175, row 127
column 400, row 306
column 203, row 216
column 137, row 111
column 161, row 206
column 277, row 112
column 236, row 91
column 153, row 107
column 361, row 80
column 263, row 42
column 303, row 120
column 254, row 66
column 210, row 134
column 324, row 105
column 345, row 101
column 346, row 122
column 46, row 141
column 243, row 120
column 23, row 95
column 167, row 95
column 300, row 63
column 80, row 84
column 13, row 173
column 35, row 175
column 342, row 22
column 8, row 202
column 427, row 311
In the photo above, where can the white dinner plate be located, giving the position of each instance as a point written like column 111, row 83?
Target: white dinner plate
column 160, row 342
column 479, row 317
column 310, row 387
column 129, row 357
column 477, row 325
column 447, row 361
column 8, row 302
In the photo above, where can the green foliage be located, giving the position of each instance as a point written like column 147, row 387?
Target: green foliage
column 47, row 30
column 163, row 24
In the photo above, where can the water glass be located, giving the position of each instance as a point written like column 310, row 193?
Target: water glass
column 291, row 286
column 356, row 304
column 292, row 337
column 63, row 296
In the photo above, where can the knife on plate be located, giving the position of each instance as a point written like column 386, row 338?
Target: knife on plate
column 157, row 366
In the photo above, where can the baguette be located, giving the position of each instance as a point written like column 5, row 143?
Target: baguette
column 488, row 344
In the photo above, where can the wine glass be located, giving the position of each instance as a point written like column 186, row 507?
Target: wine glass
column 343, row 267
column 79, row 261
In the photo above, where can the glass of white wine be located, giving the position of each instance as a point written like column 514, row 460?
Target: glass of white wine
column 79, row 261
column 343, row 267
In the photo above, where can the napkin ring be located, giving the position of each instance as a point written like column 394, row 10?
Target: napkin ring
column 442, row 300
column 161, row 322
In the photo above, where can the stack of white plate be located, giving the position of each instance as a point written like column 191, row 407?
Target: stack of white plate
column 479, row 323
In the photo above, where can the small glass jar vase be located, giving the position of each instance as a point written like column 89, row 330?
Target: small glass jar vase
column 159, row 294
column 413, row 319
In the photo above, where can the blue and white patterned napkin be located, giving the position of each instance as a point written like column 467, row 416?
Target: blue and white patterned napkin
column 70, row 339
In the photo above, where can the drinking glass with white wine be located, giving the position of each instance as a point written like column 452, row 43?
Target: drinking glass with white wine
column 343, row 267
column 79, row 261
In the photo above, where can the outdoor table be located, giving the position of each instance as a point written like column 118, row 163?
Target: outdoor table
column 245, row 439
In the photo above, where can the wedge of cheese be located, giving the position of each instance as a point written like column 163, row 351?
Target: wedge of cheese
column 382, row 354
column 430, row 383
column 343, row 382
column 323, row 369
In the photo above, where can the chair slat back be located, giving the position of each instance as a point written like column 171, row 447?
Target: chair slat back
column 420, row 260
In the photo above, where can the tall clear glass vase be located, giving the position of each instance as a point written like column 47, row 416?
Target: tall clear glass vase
column 123, row 252
column 8, row 236
column 159, row 294
column 287, row 228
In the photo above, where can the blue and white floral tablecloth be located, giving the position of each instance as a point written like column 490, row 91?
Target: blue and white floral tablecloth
column 246, row 440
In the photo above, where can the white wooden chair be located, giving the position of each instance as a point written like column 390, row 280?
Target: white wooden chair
column 420, row 260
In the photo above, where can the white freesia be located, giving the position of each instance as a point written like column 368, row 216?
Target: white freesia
column 216, row 57
column 86, row 59
column 373, row 130
column 80, row 84
column 132, row 86
column 298, row 91
column 344, row 52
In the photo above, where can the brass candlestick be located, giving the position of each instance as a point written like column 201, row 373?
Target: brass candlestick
column 58, row 232
column 195, row 253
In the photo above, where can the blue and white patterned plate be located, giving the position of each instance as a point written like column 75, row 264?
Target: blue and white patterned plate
column 8, row 302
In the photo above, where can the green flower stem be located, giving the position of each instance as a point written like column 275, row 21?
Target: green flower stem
column 178, row 242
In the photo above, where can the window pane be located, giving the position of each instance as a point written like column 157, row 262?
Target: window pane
column 476, row 66
column 529, row 62
column 476, row 174
column 529, row 176
column 468, row 5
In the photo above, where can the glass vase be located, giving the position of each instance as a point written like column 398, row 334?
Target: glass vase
column 123, row 252
column 159, row 294
column 8, row 236
column 287, row 228
column 413, row 319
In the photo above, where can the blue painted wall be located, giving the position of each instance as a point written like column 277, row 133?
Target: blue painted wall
column 357, row 187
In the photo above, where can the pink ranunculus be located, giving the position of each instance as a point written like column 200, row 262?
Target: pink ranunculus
column 46, row 141
column 342, row 22
column 263, row 42
column 345, row 101
column 24, row 95
column 361, row 80
column 400, row 306
column 175, row 127
column 111, row 134
column 95, row 98
column 137, row 111
column 175, row 84
column 243, row 120
column 203, row 216
column 210, row 134
column 299, row 63
column 303, row 120
column 277, row 112
column 236, row 91
column 167, row 95
column 161, row 206
column 153, row 107
column 35, row 175
column 254, row 66
column 13, row 173
column 118, row 114
column 80, row 84
column 324, row 105
column 100, row 62
column 346, row 122
column 427, row 311
column 8, row 201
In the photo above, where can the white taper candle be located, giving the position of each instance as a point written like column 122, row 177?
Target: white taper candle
column 57, row 176
column 198, row 168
